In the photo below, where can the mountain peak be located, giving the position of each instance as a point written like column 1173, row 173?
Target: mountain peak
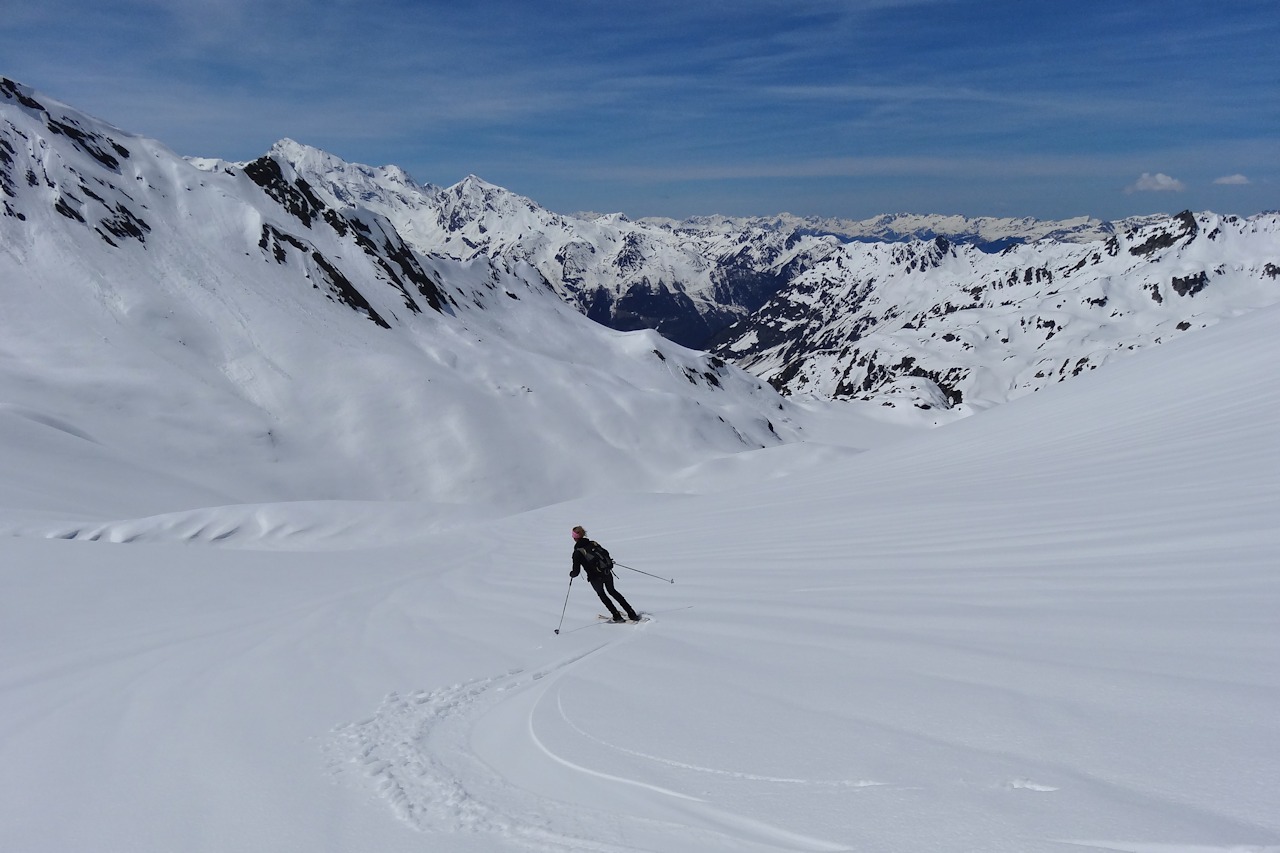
column 15, row 91
column 306, row 157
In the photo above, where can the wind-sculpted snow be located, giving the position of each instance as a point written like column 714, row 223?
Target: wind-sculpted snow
column 297, row 526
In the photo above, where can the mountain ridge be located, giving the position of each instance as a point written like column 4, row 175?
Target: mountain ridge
column 946, row 327
column 240, row 315
column 739, row 287
column 791, row 298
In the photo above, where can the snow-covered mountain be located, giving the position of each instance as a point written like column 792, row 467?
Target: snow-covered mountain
column 937, row 325
column 940, row 313
column 244, row 315
column 942, row 324
column 688, row 279
column 985, row 232
column 627, row 275
column 1049, row 626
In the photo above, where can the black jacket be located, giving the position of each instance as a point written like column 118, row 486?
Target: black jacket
column 582, row 559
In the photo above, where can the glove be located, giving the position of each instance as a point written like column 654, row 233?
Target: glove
column 574, row 572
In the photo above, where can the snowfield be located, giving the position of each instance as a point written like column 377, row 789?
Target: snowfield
column 284, row 535
column 1051, row 626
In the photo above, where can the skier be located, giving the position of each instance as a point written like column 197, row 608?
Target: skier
column 599, row 565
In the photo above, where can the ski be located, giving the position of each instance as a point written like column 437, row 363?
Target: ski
column 644, row 617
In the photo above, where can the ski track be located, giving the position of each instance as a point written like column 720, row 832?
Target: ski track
column 749, row 777
column 415, row 750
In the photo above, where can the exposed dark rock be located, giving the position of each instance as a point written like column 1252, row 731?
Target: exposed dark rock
column 630, row 257
column 7, row 184
column 274, row 241
column 125, row 225
column 90, row 143
column 671, row 312
column 1190, row 285
column 340, row 289
column 67, row 210
column 394, row 258
column 13, row 91
column 1182, row 226
column 296, row 197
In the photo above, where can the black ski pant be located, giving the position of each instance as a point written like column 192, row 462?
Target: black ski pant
column 603, row 585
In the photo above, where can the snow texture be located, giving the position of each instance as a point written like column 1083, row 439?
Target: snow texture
column 1050, row 626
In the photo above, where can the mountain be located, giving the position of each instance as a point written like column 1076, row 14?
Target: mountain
column 624, row 274
column 947, row 327
column 985, row 232
column 240, row 617
column 941, row 314
column 687, row 279
column 288, row 344
column 918, row 316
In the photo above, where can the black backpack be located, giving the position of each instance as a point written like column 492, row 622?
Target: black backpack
column 596, row 558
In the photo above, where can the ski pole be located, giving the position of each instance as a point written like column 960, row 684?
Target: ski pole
column 668, row 580
column 566, row 604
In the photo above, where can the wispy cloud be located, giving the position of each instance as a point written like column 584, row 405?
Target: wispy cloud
column 1006, row 103
column 1157, row 183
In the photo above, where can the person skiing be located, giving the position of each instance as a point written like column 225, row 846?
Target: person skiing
column 595, row 559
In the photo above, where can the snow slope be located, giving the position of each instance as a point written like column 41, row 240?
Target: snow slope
column 231, row 338
column 1047, row 627
column 280, row 577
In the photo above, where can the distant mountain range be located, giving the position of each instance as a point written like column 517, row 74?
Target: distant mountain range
column 941, row 313
column 934, row 324
column 944, row 314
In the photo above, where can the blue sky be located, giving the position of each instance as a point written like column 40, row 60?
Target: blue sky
column 853, row 108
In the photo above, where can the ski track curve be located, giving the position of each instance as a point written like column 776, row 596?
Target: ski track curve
column 415, row 751
column 714, row 771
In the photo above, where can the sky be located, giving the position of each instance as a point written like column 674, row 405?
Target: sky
column 844, row 108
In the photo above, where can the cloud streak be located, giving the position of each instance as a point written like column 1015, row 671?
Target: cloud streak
column 995, row 103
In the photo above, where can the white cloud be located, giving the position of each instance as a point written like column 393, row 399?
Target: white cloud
column 1234, row 180
column 1159, row 182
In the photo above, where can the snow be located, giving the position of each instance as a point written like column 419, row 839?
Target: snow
column 1049, row 626
column 282, row 579
column 953, row 329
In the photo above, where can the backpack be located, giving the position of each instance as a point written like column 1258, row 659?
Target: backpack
column 596, row 558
